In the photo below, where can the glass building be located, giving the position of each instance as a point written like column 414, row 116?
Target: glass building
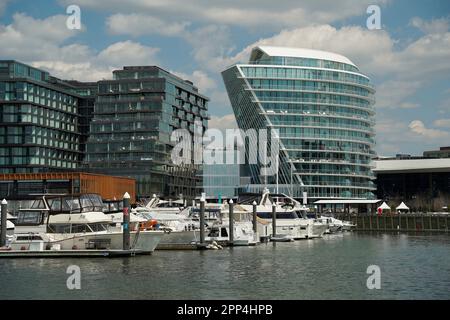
column 38, row 121
column 323, row 109
column 222, row 180
column 134, row 117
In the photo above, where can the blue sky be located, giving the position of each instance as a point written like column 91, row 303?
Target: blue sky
column 408, row 59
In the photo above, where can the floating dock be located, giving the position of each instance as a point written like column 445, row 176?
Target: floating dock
column 71, row 253
column 399, row 222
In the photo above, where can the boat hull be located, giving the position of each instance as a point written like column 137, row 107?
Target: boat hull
column 179, row 240
column 144, row 240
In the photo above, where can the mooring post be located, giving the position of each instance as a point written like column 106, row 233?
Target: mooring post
column 231, row 222
column 4, row 223
column 126, row 221
column 202, row 220
column 255, row 226
column 274, row 220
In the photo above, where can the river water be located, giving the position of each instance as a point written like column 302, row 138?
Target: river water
column 412, row 266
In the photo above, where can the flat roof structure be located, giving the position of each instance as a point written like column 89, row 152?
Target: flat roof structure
column 412, row 165
column 344, row 201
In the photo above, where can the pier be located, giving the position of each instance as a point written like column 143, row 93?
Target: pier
column 399, row 222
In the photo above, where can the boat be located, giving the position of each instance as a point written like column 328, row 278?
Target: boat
column 181, row 230
column 290, row 220
column 243, row 234
column 333, row 225
column 75, row 223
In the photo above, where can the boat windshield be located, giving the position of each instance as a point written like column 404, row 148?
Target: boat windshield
column 75, row 204
column 76, row 228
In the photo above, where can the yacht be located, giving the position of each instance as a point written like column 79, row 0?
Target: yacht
column 243, row 233
column 334, row 225
column 290, row 218
column 181, row 231
column 75, row 223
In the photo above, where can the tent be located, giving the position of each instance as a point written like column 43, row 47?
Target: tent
column 402, row 206
column 384, row 206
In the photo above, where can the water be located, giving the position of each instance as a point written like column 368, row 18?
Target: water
column 412, row 267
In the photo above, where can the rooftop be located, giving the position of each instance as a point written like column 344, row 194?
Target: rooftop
column 301, row 53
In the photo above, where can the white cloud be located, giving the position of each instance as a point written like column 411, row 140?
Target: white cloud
column 393, row 93
column 222, row 123
column 434, row 26
column 143, row 24
column 128, row 53
column 200, row 79
column 249, row 13
column 443, row 123
column 419, row 128
column 41, row 42
column 28, row 38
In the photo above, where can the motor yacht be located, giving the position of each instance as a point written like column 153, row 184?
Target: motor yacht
column 75, row 223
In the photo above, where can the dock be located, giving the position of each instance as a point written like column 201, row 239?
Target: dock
column 72, row 253
column 399, row 222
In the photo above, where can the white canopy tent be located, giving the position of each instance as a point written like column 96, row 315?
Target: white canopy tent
column 384, row 206
column 402, row 206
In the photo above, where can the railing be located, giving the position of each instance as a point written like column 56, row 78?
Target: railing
column 309, row 88
column 328, row 136
column 343, row 115
column 317, row 101
column 293, row 124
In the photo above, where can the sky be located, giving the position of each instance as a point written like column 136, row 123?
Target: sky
column 408, row 59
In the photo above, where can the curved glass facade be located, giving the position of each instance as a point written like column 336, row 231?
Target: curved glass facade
column 324, row 111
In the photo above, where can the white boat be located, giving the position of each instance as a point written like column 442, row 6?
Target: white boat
column 334, row 225
column 243, row 234
column 75, row 223
column 290, row 220
column 180, row 228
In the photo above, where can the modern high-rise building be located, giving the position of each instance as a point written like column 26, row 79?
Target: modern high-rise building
column 38, row 121
column 134, row 117
column 323, row 109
